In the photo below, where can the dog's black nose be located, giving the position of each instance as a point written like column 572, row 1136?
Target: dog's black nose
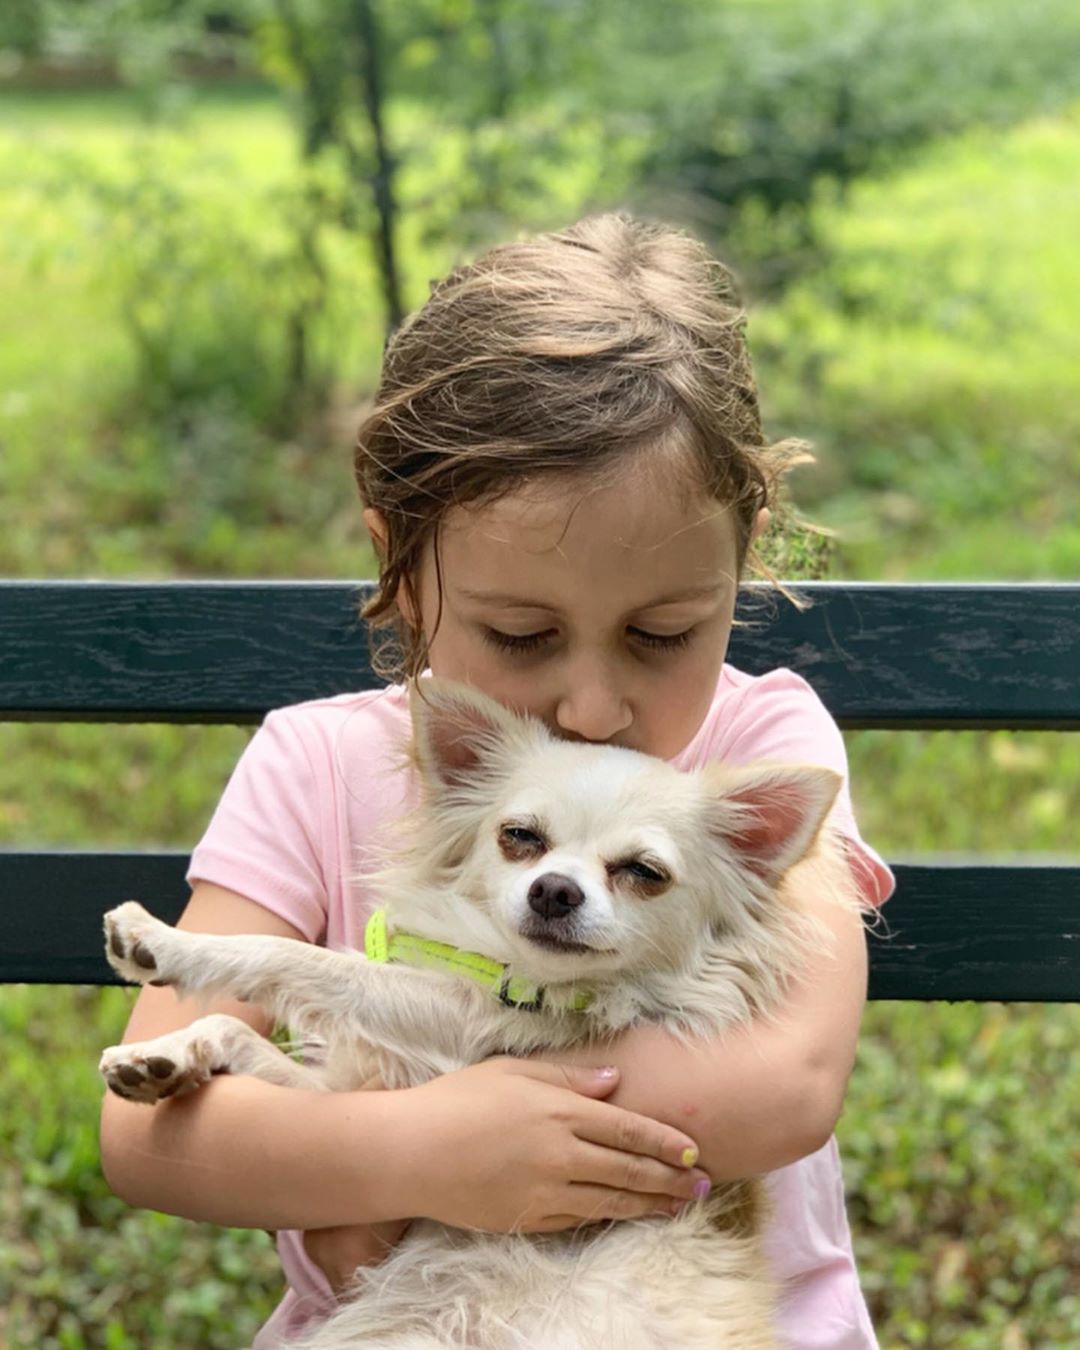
column 553, row 896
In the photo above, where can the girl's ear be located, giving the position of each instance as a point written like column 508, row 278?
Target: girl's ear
column 768, row 815
column 760, row 525
column 460, row 735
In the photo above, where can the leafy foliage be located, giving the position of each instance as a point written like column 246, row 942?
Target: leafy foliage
column 951, row 1152
column 77, row 1266
column 932, row 360
column 806, row 98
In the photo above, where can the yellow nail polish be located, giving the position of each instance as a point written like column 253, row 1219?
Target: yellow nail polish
column 689, row 1157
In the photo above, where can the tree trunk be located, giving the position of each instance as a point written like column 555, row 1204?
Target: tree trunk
column 366, row 30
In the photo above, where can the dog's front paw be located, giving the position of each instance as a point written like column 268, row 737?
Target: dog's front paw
column 133, row 944
column 149, row 1071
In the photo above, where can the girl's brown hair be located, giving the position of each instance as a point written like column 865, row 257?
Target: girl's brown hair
column 559, row 354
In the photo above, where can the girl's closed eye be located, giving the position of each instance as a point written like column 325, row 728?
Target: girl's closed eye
column 663, row 641
column 516, row 642
column 528, row 642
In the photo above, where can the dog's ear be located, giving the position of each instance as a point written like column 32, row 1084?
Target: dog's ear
column 769, row 814
column 458, row 733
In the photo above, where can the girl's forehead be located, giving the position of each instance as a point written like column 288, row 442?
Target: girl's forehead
column 617, row 548
column 634, row 515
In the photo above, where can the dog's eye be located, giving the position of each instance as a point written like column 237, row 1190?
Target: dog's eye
column 647, row 877
column 643, row 872
column 518, row 842
column 519, row 836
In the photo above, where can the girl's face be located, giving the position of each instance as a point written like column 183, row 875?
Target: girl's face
column 605, row 612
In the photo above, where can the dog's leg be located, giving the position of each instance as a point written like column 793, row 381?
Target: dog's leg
column 299, row 984
column 180, row 1061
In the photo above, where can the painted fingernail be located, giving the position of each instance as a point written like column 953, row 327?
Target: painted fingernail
column 689, row 1157
column 702, row 1188
column 608, row 1071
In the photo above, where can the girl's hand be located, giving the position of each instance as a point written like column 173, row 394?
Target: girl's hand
column 339, row 1251
column 517, row 1145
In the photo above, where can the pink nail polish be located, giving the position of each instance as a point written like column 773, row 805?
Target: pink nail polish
column 702, row 1188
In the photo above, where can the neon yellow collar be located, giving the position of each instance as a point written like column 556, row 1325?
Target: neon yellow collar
column 413, row 950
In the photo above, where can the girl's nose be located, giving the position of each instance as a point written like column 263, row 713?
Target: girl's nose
column 594, row 710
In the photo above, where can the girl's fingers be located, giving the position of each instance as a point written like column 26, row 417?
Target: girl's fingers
column 595, row 1204
column 593, row 1081
column 629, row 1133
column 637, row 1174
column 601, row 1123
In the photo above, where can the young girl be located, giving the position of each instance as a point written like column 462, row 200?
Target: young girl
column 564, row 474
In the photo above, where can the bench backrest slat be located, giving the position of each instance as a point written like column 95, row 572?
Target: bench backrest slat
column 953, row 932
column 879, row 655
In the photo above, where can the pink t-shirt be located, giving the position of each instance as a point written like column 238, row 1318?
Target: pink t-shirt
column 312, row 794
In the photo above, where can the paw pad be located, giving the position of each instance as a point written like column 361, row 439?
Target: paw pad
column 129, row 934
column 140, row 1077
column 143, row 956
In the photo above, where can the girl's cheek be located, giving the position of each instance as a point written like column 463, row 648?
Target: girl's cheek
column 513, row 689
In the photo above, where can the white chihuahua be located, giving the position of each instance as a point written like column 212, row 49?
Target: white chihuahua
column 545, row 894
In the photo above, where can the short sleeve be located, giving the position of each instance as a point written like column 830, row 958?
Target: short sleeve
column 781, row 718
column 264, row 839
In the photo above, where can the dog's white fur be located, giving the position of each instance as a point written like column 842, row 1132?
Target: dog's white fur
column 711, row 944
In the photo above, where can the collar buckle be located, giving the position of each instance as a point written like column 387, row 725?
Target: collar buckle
column 509, row 1001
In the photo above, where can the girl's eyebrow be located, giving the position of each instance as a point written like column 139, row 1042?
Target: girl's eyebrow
column 704, row 592
column 507, row 601
column 499, row 598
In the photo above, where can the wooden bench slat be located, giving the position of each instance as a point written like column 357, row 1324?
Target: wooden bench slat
column 51, row 914
column 957, row 931
column 176, row 651
column 904, row 656
column 973, row 930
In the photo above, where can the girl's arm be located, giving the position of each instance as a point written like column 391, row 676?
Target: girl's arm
column 768, row 1093
column 501, row 1144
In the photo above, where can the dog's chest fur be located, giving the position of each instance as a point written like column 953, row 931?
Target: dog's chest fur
column 698, row 1281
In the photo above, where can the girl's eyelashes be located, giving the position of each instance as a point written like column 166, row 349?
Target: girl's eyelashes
column 515, row 642
column 667, row 642
column 528, row 642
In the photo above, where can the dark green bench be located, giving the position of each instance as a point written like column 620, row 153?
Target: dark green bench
column 910, row 656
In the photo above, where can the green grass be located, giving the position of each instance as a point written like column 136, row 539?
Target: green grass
column 1020, row 792
column 958, row 1146
column 77, row 1266
column 934, row 362
column 932, row 359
